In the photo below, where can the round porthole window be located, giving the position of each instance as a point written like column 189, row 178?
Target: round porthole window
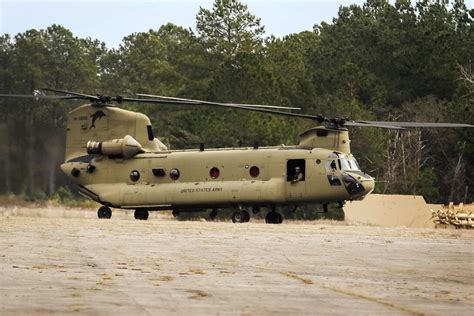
column 214, row 173
column 254, row 171
column 134, row 175
column 174, row 174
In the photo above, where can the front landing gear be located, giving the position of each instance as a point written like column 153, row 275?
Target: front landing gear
column 273, row 217
column 104, row 212
column 141, row 214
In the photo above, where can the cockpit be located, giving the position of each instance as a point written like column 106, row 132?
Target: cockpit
column 341, row 162
column 344, row 170
column 348, row 164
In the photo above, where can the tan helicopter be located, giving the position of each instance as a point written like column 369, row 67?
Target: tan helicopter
column 114, row 158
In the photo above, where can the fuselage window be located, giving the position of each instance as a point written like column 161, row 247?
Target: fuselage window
column 295, row 170
column 134, row 175
column 214, row 173
column 254, row 171
column 174, row 174
column 159, row 172
column 150, row 132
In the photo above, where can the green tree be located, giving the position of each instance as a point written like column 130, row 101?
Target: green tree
column 47, row 58
column 229, row 28
column 6, row 47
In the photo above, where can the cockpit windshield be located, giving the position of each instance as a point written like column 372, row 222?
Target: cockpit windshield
column 348, row 164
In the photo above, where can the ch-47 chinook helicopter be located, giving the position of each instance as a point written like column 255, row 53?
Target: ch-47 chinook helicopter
column 114, row 158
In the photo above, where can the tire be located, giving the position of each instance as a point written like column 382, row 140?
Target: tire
column 237, row 217
column 104, row 212
column 141, row 214
column 273, row 218
column 269, row 218
column 246, row 216
column 213, row 214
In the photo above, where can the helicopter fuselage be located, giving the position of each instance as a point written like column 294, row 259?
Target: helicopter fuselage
column 214, row 178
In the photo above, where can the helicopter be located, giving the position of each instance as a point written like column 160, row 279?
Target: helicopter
column 115, row 159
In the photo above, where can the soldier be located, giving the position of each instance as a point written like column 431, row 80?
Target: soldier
column 298, row 175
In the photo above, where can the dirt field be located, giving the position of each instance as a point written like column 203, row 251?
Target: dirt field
column 122, row 266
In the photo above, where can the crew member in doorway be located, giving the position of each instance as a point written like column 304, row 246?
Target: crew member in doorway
column 298, row 175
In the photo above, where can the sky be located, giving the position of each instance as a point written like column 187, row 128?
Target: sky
column 111, row 20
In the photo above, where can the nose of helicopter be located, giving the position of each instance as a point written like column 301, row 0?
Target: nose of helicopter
column 368, row 184
column 358, row 184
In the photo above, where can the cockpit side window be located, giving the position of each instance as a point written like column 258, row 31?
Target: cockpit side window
column 331, row 166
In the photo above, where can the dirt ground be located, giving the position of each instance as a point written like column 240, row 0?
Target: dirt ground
column 51, row 264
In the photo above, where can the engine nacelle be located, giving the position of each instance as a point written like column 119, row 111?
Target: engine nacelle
column 126, row 147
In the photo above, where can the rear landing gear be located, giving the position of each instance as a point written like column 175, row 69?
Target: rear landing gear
column 213, row 214
column 104, row 212
column 240, row 217
column 141, row 214
column 273, row 217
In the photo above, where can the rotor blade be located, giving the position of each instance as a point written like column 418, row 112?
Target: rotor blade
column 318, row 118
column 415, row 124
column 84, row 96
column 37, row 96
column 158, row 101
column 217, row 103
column 367, row 124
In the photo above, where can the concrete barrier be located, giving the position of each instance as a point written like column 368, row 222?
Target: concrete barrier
column 391, row 211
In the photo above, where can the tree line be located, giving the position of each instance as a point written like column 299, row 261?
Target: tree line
column 379, row 61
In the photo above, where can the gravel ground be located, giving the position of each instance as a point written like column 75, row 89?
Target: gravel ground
column 121, row 266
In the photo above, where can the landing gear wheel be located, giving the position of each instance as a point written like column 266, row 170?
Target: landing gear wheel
column 104, row 212
column 273, row 218
column 213, row 214
column 141, row 214
column 175, row 213
column 246, row 216
column 238, row 217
